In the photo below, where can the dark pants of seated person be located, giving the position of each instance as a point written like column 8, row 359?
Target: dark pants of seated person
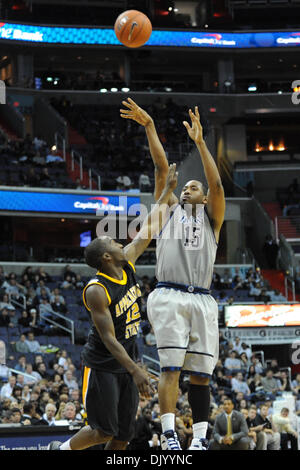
column 241, row 444
column 287, row 437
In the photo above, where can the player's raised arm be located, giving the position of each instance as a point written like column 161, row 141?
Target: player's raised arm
column 158, row 155
column 154, row 222
column 98, row 304
column 216, row 198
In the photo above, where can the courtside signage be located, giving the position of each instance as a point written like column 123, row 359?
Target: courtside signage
column 23, row 201
column 106, row 36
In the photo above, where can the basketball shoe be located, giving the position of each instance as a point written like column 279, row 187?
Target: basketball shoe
column 169, row 441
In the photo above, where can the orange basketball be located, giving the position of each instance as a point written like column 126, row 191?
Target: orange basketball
column 133, row 28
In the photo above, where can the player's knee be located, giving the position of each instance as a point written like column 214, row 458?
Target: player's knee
column 199, row 380
column 170, row 375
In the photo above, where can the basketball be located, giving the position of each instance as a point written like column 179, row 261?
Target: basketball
column 133, row 28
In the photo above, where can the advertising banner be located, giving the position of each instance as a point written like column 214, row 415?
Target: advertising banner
column 66, row 203
column 262, row 315
column 161, row 38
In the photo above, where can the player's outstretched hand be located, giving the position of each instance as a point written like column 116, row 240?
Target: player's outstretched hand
column 172, row 177
column 195, row 132
column 141, row 380
column 135, row 113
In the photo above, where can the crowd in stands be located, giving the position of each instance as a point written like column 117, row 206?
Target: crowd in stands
column 116, row 147
column 32, row 162
column 50, row 391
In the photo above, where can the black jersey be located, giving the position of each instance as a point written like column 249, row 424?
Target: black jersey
column 124, row 298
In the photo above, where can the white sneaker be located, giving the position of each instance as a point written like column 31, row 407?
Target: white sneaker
column 169, row 441
column 199, row 444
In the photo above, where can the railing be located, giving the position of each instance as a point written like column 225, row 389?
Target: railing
column 98, row 178
column 286, row 260
column 289, row 284
column 245, row 256
column 60, row 143
column 77, row 158
column 147, row 359
column 289, row 227
column 71, row 330
column 14, row 301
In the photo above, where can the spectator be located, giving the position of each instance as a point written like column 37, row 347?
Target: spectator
column 287, row 433
column 285, row 383
column 30, row 417
column 58, row 305
column 230, row 430
column 35, row 376
column 79, row 283
column 42, row 370
column 33, row 345
column 232, row 362
column 26, row 319
column 144, row 183
column 45, row 178
column 21, row 345
column 237, row 345
column 239, row 385
column 270, row 250
column 124, row 183
column 269, row 383
column 143, row 430
column 42, row 290
column 5, row 318
column 49, row 414
column 277, row 297
column 273, row 436
column 6, row 303
column 67, row 283
column 257, row 430
column 296, row 385
column 257, row 364
column 69, row 380
column 53, row 156
column 69, row 273
column 15, row 416
column 7, row 389
column 69, row 412
column 56, row 294
column 21, row 364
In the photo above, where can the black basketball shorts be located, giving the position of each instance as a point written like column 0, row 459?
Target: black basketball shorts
column 111, row 402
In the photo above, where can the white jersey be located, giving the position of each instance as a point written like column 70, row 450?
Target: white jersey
column 186, row 249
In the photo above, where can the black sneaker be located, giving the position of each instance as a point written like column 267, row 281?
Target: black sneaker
column 54, row 445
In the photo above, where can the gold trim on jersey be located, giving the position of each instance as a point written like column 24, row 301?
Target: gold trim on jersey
column 117, row 281
column 91, row 284
column 132, row 265
column 85, row 384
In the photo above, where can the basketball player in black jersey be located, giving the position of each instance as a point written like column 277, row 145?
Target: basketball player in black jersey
column 112, row 380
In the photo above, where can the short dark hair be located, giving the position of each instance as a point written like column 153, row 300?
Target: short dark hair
column 94, row 251
column 28, row 407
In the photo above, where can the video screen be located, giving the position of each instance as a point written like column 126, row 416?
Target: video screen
column 262, row 315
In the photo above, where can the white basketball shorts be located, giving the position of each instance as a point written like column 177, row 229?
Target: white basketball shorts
column 186, row 330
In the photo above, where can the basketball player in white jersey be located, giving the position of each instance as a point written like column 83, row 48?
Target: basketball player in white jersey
column 183, row 314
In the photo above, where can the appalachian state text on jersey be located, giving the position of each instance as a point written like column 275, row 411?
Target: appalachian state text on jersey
column 124, row 304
